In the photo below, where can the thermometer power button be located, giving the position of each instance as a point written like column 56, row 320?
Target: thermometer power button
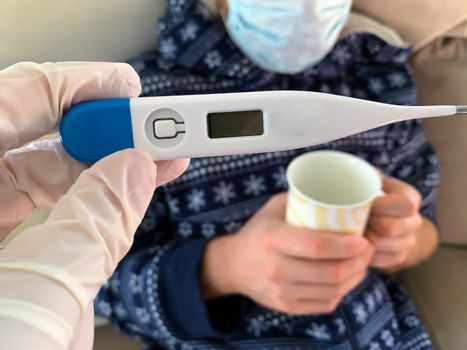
column 165, row 128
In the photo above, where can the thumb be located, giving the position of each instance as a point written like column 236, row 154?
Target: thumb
column 90, row 228
column 34, row 177
column 110, row 199
column 87, row 233
column 33, row 97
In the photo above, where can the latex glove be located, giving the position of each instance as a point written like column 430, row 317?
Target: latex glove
column 32, row 101
column 50, row 273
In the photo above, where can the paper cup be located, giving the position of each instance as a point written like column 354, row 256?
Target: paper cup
column 331, row 191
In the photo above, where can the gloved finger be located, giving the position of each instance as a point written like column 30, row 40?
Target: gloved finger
column 168, row 170
column 84, row 333
column 18, row 335
column 38, row 175
column 90, row 228
column 33, row 177
column 33, row 97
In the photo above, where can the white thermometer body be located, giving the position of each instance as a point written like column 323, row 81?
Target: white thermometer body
column 171, row 127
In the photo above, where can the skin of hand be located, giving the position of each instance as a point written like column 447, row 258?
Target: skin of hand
column 283, row 267
column 53, row 271
column 400, row 235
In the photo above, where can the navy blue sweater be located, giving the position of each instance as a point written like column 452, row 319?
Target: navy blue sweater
column 154, row 294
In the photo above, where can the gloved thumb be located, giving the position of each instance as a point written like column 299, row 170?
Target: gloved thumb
column 33, row 97
column 109, row 201
column 68, row 258
column 90, row 228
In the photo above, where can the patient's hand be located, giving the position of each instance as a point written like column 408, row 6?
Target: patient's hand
column 400, row 235
column 283, row 267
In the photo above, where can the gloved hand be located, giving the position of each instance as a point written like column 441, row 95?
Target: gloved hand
column 50, row 273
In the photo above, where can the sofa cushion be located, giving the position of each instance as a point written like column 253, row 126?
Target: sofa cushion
column 418, row 21
column 438, row 289
column 441, row 76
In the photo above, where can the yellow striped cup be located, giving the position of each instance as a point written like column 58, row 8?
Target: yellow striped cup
column 332, row 191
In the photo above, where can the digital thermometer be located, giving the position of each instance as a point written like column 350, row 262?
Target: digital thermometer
column 172, row 127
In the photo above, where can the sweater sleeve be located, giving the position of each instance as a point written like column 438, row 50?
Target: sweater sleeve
column 181, row 298
column 155, row 291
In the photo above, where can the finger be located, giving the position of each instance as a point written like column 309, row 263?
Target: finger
column 33, row 97
column 169, row 170
column 304, row 243
column 304, row 307
column 391, row 245
column 401, row 199
column 387, row 226
column 392, row 185
column 295, row 270
column 396, row 205
column 34, row 177
column 38, row 175
column 323, row 292
column 382, row 261
column 91, row 227
column 84, row 332
column 115, row 201
column 276, row 206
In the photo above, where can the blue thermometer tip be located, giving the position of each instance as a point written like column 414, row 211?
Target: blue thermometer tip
column 92, row 130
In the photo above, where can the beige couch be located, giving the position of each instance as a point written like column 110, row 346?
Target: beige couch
column 119, row 29
column 439, row 286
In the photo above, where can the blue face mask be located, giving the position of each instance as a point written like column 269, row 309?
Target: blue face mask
column 286, row 36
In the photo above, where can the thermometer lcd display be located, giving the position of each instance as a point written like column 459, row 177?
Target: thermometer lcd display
column 235, row 124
